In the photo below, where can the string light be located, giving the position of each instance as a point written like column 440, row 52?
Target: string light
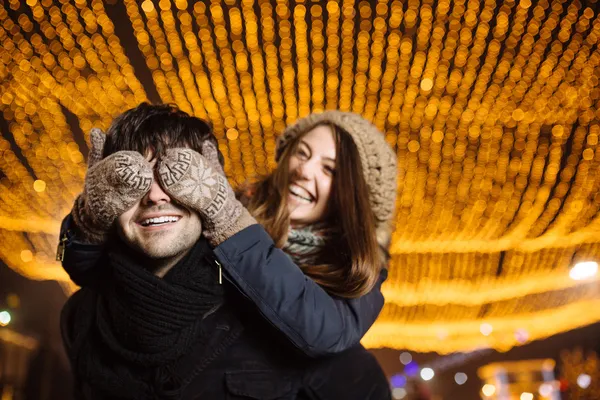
column 486, row 329
column 492, row 107
column 398, row 381
column 583, row 270
column 488, row 390
column 4, row 318
column 398, row 393
column 526, row 396
column 580, row 373
column 583, row 381
column 427, row 374
column 531, row 375
column 460, row 378
column 545, row 390
column 405, row 358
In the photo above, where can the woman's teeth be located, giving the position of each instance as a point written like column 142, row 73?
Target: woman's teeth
column 296, row 192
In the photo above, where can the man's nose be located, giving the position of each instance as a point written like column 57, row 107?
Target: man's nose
column 156, row 194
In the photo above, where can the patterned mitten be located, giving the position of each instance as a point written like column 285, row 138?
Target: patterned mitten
column 112, row 186
column 199, row 182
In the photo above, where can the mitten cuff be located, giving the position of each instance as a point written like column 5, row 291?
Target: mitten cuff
column 216, row 237
column 83, row 224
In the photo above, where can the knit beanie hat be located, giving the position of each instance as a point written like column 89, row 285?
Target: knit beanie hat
column 378, row 160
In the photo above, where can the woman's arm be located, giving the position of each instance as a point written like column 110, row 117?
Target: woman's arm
column 314, row 321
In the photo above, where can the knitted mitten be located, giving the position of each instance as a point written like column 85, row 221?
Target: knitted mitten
column 199, row 182
column 112, row 186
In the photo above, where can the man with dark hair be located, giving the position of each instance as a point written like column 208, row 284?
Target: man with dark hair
column 155, row 320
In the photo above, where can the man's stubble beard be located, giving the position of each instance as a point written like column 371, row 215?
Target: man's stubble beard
column 161, row 251
column 162, row 248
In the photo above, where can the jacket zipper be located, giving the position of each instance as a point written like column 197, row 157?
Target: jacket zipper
column 60, row 249
column 220, row 272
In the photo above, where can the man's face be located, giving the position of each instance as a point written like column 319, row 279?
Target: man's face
column 158, row 227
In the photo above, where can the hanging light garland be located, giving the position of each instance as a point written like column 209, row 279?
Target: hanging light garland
column 492, row 107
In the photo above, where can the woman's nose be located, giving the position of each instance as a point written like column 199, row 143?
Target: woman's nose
column 306, row 169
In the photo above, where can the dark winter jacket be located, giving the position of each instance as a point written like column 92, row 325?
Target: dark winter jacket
column 214, row 346
column 315, row 322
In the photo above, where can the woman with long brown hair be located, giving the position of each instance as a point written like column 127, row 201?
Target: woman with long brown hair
column 329, row 205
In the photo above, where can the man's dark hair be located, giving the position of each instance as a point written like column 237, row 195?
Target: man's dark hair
column 156, row 128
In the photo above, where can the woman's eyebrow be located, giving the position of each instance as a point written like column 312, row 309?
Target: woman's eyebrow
column 303, row 142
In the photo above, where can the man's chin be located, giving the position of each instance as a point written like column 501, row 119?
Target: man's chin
column 159, row 254
column 150, row 247
column 157, row 251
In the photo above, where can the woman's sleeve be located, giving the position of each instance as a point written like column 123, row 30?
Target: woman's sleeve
column 80, row 260
column 316, row 322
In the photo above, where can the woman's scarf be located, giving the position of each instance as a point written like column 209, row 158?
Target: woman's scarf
column 304, row 244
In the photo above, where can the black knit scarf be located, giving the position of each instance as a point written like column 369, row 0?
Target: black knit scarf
column 144, row 323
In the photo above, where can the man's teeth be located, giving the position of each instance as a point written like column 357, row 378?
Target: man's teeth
column 159, row 220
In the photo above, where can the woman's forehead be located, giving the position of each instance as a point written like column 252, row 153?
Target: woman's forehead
column 321, row 139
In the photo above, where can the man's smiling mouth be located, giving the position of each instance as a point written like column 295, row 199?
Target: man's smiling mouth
column 158, row 221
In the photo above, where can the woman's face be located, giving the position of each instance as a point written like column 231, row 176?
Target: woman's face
column 312, row 170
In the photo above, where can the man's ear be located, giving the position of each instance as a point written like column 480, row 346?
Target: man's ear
column 211, row 153
column 97, row 139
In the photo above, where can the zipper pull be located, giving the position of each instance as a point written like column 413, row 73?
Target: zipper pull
column 220, row 272
column 60, row 249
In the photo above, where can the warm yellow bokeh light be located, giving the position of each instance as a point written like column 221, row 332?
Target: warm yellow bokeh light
column 13, row 301
column 232, row 134
column 526, row 396
column 26, row 255
column 39, row 186
column 147, row 6
column 488, row 389
column 492, row 108
column 426, row 84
